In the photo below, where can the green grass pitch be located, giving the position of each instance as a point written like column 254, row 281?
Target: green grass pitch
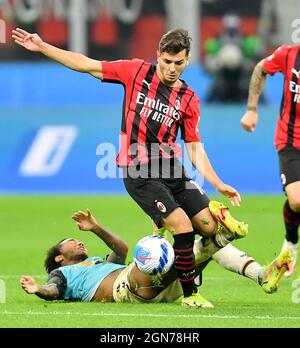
column 31, row 224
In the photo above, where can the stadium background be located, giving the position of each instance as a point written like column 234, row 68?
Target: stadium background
column 58, row 126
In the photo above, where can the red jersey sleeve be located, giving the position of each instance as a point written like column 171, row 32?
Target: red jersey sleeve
column 190, row 125
column 276, row 62
column 120, row 71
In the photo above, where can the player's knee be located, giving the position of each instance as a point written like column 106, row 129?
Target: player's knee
column 179, row 226
column 178, row 222
column 208, row 230
column 295, row 205
column 206, row 227
column 182, row 227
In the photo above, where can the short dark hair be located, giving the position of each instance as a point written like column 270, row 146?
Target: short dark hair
column 50, row 263
column 174, row 41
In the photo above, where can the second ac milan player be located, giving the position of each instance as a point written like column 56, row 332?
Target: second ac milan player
column 286, row 60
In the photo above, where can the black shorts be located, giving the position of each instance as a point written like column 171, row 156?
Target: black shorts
column 289, row 159
column 159, row 197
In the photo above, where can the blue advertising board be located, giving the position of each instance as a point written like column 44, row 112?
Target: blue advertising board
column 60, row 133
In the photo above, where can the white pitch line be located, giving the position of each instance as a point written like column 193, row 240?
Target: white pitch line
column 102, row 314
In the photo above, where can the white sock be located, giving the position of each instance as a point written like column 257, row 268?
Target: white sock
column 204, row 248
column 254, row 271
column 237, row 261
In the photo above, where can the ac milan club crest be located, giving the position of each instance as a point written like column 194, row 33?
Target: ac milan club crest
column 161, row 207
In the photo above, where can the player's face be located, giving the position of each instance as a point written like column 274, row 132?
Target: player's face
column 74, row 249
column 170, row 66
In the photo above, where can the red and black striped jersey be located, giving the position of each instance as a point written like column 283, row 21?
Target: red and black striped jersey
column 286, row 59
column 152, row 112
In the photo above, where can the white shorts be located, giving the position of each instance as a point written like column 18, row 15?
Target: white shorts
column 122, row 293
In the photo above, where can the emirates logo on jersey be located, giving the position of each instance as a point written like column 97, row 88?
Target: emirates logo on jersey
column 158, row 111
column 161, row 207
column 294, row 86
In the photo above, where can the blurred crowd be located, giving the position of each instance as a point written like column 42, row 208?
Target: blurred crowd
column 233, row 35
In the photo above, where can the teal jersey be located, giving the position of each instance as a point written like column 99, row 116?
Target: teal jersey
column 84, row 278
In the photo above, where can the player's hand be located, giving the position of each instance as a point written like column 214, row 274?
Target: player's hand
column 31, row 42
column 85, row 220
column 29, row 284
column 249, row 121
column 230, row 193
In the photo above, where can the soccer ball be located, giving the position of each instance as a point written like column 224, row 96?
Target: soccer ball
column 153, row 255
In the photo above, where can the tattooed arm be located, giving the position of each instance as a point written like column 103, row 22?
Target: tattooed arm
column 53, row 290
column 250, row 118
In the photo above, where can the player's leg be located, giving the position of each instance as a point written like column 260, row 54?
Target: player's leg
column 210, row 219
column 290, row 177
column 274, row 271
column 291, row 215
column 195, row 203
column 204, row 248
column 235, row 229
column 184, row 257
column 132, row 285
column 228, row 257
column 156, row 199
column 237, row 261
column 167, row 288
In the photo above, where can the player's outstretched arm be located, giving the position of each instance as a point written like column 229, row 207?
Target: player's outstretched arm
column 202, row 163
column 72, row 60
column 46, row 292
column 250, row 118
column 87, row 222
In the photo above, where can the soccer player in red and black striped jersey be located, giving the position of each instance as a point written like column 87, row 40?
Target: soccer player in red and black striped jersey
column 157, row 104
column 286, row 60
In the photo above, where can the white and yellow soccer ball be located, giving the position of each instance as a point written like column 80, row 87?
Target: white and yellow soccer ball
column 153, row 255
